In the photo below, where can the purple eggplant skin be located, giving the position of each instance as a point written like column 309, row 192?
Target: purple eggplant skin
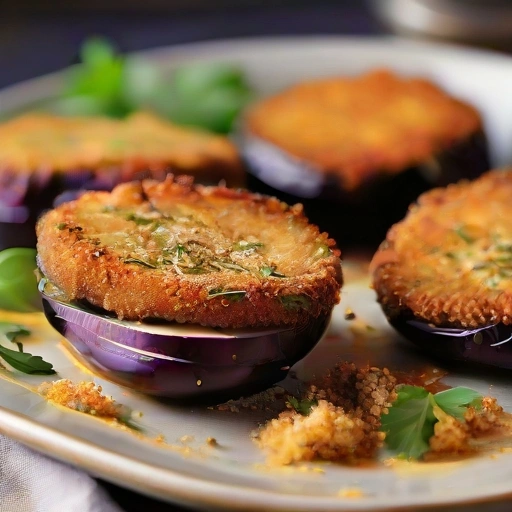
column 180, row 367
column 487, row 346
column 361, row 217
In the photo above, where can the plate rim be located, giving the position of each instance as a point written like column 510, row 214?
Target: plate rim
column 171, row 485
column 189, row 490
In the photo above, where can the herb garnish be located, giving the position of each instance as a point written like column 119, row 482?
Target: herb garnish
column 22, row 361
column 243, row 246
column 270, row 272
column 322, row 251
column 107, row 83
column 410, row 421
column 294, row 302
column 303, row 406
column 139, row 262
column 463, row 233
column 233, row 295
column 140, row 221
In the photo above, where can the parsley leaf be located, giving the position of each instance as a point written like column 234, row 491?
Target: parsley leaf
column 302, row 406
column 25, row 362
column 409, row 423
column 12, row 331
column 22, row 361
column 456, row 400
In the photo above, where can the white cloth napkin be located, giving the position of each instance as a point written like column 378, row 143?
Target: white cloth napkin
column 31, row 482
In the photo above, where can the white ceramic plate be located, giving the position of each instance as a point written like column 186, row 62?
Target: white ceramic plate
column 230, row 476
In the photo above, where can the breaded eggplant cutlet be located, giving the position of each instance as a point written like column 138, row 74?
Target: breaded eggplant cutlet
column 449, row 262
column 42, row 156
column 188, row 253
column 142, row 145
column 370, row 143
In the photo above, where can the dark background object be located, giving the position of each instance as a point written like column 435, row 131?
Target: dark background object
column 39, row 38
column 482, row 22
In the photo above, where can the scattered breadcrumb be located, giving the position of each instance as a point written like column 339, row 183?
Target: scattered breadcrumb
column 262, row 401
column 350, row 492
column 338, row 418
column 84, row 397
column 349, row 314
column 344, row 419
column 451, row 436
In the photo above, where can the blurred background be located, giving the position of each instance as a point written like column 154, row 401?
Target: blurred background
column 38, row 36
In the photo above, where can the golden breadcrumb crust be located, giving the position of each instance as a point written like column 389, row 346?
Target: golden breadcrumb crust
column 195, row 254
column 356, row 127
column 449, row 262
column 140, row 144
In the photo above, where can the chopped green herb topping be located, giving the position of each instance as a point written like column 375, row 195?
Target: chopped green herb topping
column 294, row 302
column 323, row 251
column 140, row 221
column 270, row 272
column 243, row 245
column 232, row 295
column 139, row 262
column 463, row 233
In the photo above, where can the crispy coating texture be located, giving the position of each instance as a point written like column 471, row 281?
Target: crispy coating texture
column 449, row 262
column 207, row 255
column 356, row 127
column 142, row 144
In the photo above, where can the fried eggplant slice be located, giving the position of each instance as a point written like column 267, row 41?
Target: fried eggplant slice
column 361, row 146
column 449, row 262
column 42, row 156
column 188, row 253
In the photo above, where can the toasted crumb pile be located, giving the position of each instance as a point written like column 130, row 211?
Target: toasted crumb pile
column 344, row 421
column 84, row 397
column 452, row 436
column 327, row 433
